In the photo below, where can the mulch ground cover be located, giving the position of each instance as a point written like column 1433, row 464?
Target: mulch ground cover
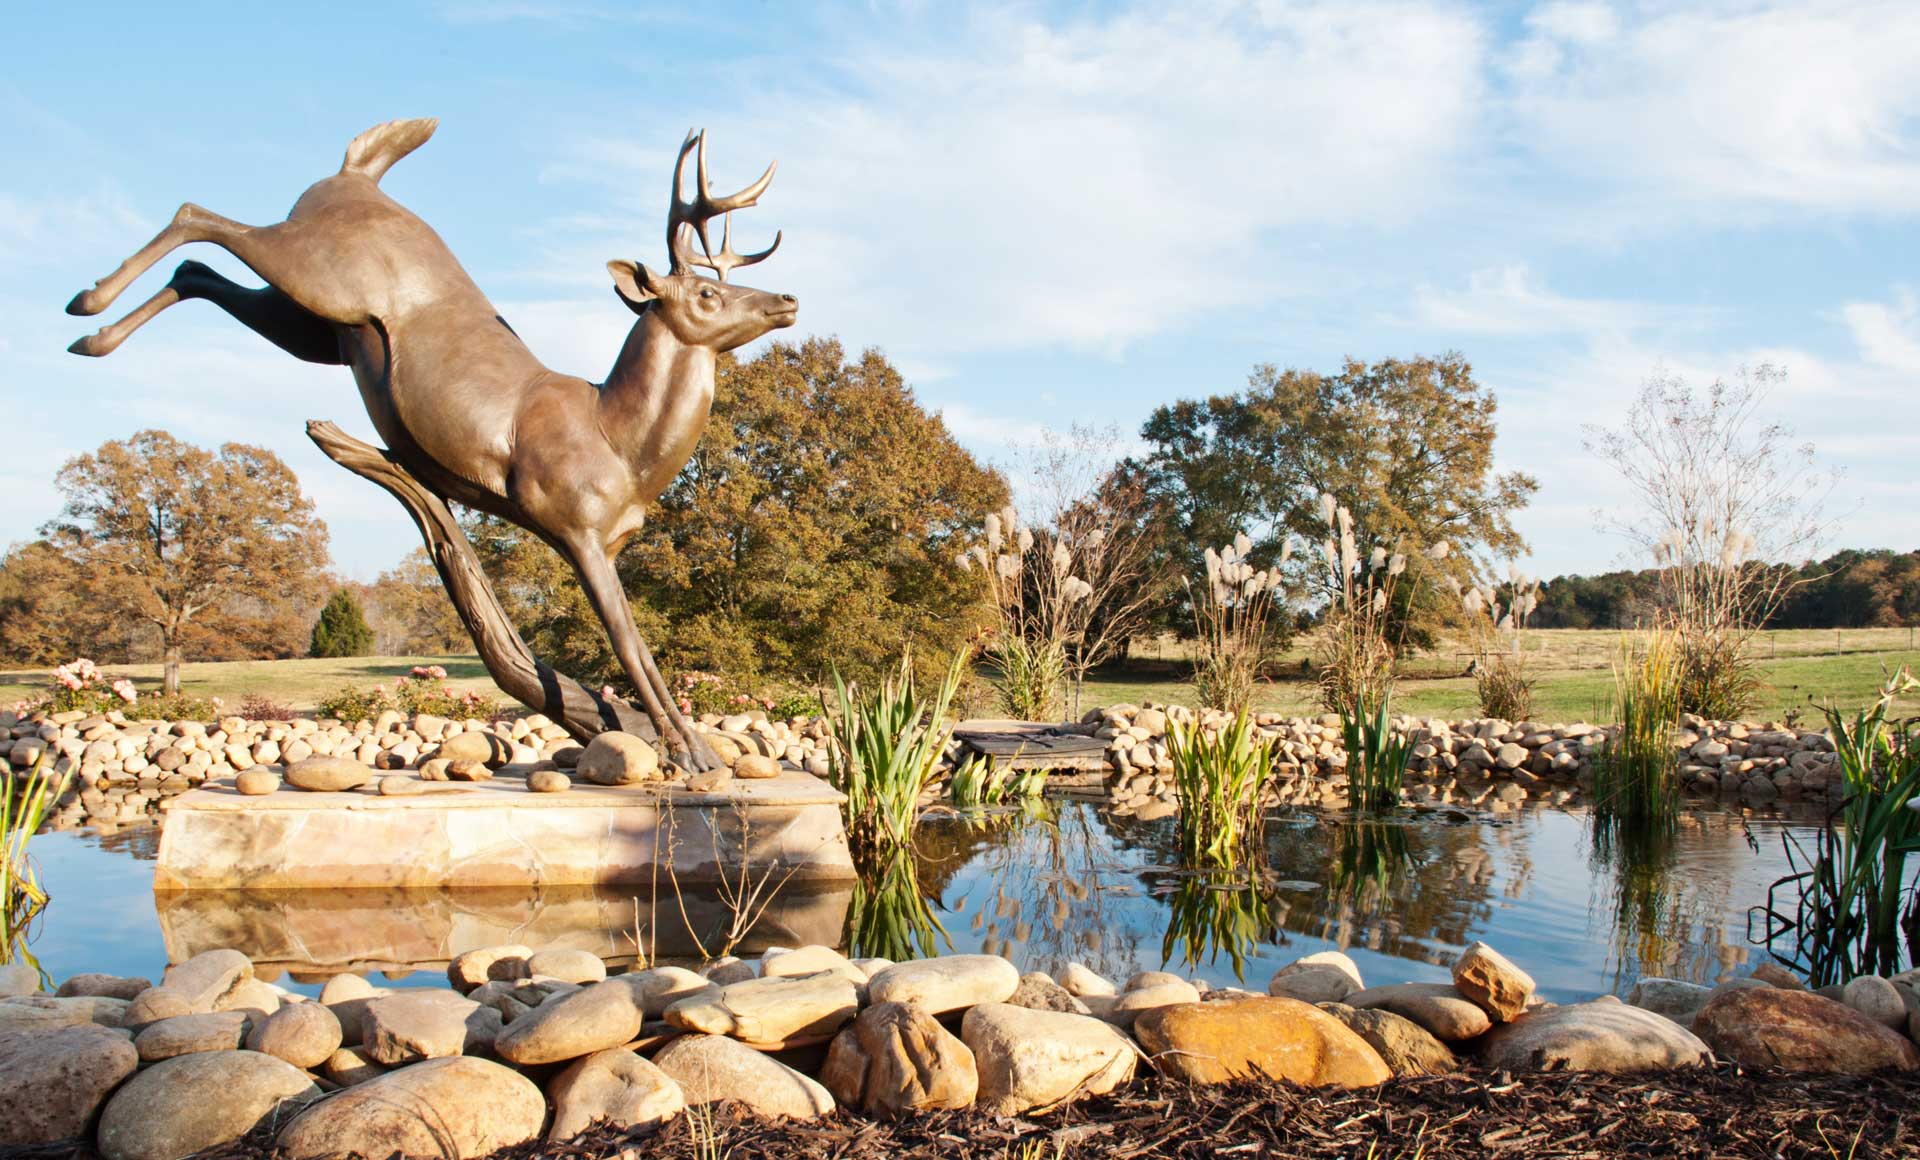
column 1719, row 1113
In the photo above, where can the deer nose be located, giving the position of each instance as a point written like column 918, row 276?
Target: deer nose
column 789, row 300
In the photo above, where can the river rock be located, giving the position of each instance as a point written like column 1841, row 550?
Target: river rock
column 1143, row 979
column 1799, row 1031
column 1081, row 981
column 568, row 965
column 811, row 960
column 548, row 781
column 53, row 1081
column 616, row 1086
column 103, row 986
column 182, row 1105
column 195, row 986
column 347, row 997
column 20, row 979
column 1484, row 976
column 454, row 1109
column 618, row 759
column 895, row 1058
column 1038, row 992
column 1033, row 1061
column 728, row 969
column 480, row 748
column 349, row 1066
column 303, row 1034
column 659, row 988
column 756, row 767
column 1321, row 977
column 594, row 1018
column 471, row 968
column 1403, row 1045
column 1775, row 975
column 1877, row 999
column 187, row 1034
column 1443, row 1011
column 949, row 983
column 41, row 1013
column 770, row 1010
column 713, row 1067
column 1676, row 999
column 254, row 997
column 410, row 1026
column 328, row 775
column 1268, row 1035
column 256, row 782
column 1602, row 1035
column 1135, row 1001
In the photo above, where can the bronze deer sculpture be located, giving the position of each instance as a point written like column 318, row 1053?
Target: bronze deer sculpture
column 467, row 411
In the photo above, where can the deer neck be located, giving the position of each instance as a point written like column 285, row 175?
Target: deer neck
column 655, row 402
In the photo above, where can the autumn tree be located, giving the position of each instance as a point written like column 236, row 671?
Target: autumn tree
column 45, row 616
column 164, row 531
column 410, row 613
column 1405, row 445
column 815, row 527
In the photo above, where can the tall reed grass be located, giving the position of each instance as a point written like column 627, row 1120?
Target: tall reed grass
column 1855, row 907
column 24, row 806
column 1233, row 621
column 1635, row 778
column 1221, row 780
column 885, row 749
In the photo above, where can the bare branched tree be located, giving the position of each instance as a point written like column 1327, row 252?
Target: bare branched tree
column 1721, row 495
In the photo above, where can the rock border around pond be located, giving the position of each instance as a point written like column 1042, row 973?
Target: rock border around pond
column 508, row 1053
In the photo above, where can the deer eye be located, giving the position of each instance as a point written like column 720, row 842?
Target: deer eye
column 706, row 292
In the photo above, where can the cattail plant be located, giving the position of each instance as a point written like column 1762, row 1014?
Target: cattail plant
column 884, row 749
column 1044, row 608
column 1233, row 611
column 1221, row 776
column 1497, row 615
column 1635, row 779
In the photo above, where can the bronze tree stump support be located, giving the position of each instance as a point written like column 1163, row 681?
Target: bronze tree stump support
column 522, row 676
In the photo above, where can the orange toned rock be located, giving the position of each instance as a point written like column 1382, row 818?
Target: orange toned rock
column 1484, row 976
column 1799, row 1031
column 1265, row 1035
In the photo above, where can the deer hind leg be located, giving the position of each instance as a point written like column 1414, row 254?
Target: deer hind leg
column 190, row 223
column 609, row 602
column 265, row 311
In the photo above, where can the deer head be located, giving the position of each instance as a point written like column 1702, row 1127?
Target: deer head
column 698, row 310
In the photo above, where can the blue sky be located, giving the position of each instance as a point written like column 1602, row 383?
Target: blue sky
column 1044, row 214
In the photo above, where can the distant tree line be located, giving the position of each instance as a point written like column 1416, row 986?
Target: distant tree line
column 1877, row 588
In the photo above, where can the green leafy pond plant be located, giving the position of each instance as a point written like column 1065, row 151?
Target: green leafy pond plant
column 1221, row 779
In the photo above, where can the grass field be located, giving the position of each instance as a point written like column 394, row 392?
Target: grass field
column 1571, row 666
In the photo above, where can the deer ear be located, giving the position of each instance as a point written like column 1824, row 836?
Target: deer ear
column 635, row 284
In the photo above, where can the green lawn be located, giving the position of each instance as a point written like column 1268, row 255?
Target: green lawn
column 1571, row 666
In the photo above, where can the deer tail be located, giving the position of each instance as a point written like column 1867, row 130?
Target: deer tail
column 373, row 152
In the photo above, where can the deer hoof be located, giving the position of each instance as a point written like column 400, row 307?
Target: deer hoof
column 93, row 345
column 87, row 302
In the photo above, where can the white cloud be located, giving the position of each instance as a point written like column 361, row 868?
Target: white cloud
column 1887, row 333
column 1511, row 300
column 1727, row 106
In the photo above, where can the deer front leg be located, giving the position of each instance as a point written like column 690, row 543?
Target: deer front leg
column 684, row 747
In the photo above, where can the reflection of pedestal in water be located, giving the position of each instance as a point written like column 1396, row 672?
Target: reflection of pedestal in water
column 331, row 879
column 327, row 931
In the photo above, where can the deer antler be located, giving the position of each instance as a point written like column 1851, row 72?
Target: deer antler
column 691, row 217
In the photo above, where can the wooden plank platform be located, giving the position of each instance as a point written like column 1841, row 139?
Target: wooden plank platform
column 1022, row 745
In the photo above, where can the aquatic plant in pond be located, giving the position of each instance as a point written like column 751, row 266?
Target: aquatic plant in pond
column 1370, row 860
column 1221, row 776
column 1210, row 914
column 1635, row 773
column 1853, row 908
column 1377, row 756
column 980, row 781
column 884, row 749
column 24, row 806
column 889, row 917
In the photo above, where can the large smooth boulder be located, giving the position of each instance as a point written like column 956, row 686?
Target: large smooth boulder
column 618, row 759
column 303, row 1034
column 1602, row 1035
column 1446, row 1014
column 41, row 1013
column 470, row 969
column 181, row 1105
column 1137, row 1001
column 187, row 1034
column 105, row 986
column 1403, row 1045
column 414, row 1025
column 1081, row 980
column 1321, row 977
column 895, row 1058
column 53, row 1082
column 1033, row 1061
column 949, row 983
column 454, row 1109
column 349, row 1066
column 1878, row 999
column 1484, row 976
column 568, row 964
column 811, row 960
column 328, row 775
column 195, row 986
column 347, row 997
column 1799, row 1031
column 1676, row 999
column 770, row 1010
column 595, row 1018
column 616, row 1086
column 1273, row 1036
column 479, row 748
column 710, row 1068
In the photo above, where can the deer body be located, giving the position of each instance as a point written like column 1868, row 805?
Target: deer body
column 353, row 277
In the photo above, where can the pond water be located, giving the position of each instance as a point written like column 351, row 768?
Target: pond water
column 1063, row 881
